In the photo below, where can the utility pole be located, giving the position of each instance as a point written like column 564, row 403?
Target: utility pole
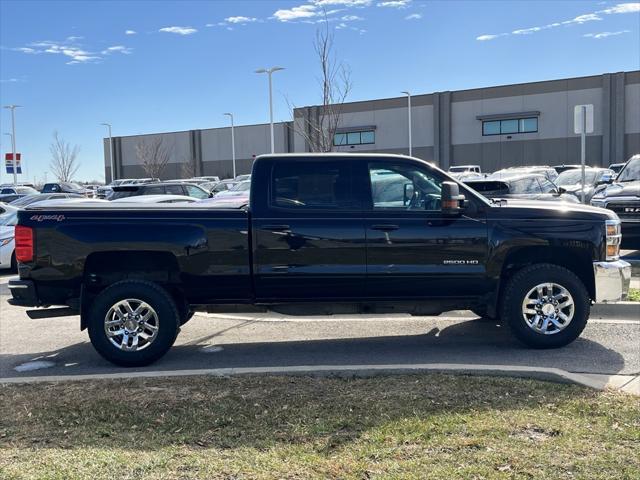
column 269, row 72
column 233, row 145
column 13, row 141
column 409, row 115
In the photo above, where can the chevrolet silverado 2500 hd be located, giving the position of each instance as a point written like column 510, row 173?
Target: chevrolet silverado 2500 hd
column 323, row 233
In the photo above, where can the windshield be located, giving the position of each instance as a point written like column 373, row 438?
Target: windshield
column 459, row 169
column 631, row 171
column 241, row 187
column 573, row 177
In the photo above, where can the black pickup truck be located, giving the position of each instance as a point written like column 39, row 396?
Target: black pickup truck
column 323, row 234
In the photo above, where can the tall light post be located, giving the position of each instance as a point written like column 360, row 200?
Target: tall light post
column 409, row 114
column 233, row 144
column 269, row 72
column 13, row 141
column 113, row 168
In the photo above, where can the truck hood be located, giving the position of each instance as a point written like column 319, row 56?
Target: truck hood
column 540, row 210
column 623, row 189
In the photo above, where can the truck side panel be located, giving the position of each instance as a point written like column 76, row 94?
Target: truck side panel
column 205, row 251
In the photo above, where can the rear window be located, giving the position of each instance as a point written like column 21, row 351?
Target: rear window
column 311, row 185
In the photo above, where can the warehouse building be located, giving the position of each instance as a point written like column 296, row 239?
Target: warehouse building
column 495, row 127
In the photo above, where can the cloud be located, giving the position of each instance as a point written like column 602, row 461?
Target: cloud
column 117, row 49
column 72, row 50
column 12, row 80
column 345, row 3
column 413, row 16
column 600, row 35
column 179, row 30
column 296, row 13
column 394, row 3
column 130, row 32
column 484, row 38
column 620, row 8
column 240, row 19
column 351, row 18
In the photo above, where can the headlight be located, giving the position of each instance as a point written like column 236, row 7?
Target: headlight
column 5, row 241
column 614, row 238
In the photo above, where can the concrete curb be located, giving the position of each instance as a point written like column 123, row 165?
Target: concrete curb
column 626, row 383
column 620, row 310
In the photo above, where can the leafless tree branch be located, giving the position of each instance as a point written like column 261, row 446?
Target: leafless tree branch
column 153, row 155
column 335, row 83
column 64, row 158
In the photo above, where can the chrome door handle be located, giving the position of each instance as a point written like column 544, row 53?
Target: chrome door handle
column 276, row 228
column 385, row 227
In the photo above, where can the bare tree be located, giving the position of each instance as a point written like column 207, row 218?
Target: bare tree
column 335, row 82
column 64, row 158
column 188, row 168
column 153, row 155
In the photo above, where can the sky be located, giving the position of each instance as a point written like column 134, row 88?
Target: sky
column 163, row 65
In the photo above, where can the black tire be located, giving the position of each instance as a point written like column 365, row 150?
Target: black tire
column 522, row 282
column 14, row 263
column 156, row 297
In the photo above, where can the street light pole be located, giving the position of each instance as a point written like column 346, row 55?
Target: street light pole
column 409, row 115
column 269, row 72
column 233, row 144
column 113, row 169
column 13, row 141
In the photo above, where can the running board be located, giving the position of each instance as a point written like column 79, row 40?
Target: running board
column 52, row 312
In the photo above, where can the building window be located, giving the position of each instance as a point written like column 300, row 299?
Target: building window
column 509, row 126
column 354, row 138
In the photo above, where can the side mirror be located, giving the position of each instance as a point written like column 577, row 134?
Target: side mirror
column 561, row 190
column 407, row 193
column 452, row 201
column 211, row 194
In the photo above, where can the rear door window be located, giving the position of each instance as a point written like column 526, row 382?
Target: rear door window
column 304, row 185
column 174, row 190
column 155, row 190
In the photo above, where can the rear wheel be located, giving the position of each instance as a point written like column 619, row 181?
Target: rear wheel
column 14, row 262
column 545, row 305
column 133, row 323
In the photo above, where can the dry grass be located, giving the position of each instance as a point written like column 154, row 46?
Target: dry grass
column 429, row 426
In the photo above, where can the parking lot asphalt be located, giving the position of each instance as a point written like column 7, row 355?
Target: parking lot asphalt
column 54, row 347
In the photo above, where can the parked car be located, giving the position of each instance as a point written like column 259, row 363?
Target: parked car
column 595, row 179
column 65, row 187
column 142, row 199
column 207, row 178
column 563, row 168
column 8, row 221
column 243, row 178
column 41, row 197
column 161, row 188
column 616, row 167
column 311, row 238
column 549, row 172
column 458, row 169
column 623, row 197
column 235, row 201
column 525, row 187
column 239, row 189
column 9, row 194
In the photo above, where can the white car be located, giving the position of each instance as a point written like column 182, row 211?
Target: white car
column 156, row 199
column 7, row 243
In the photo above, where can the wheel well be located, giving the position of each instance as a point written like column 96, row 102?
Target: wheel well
column 106, row 268
column 577, row 261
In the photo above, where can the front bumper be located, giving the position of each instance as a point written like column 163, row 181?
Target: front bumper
column 612, row 280
column 23, row 293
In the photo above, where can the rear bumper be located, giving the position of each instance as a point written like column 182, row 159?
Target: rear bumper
column 612, row 280
column 23, row 293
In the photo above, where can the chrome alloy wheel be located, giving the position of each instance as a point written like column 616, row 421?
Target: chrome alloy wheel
column 548, row 308
column 131, row 325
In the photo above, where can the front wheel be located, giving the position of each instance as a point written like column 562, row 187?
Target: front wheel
column 546, row 306
column 133, row 323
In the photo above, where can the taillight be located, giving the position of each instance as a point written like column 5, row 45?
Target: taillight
column 24, row 243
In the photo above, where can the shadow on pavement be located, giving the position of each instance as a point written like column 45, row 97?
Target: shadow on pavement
column 468, row 342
